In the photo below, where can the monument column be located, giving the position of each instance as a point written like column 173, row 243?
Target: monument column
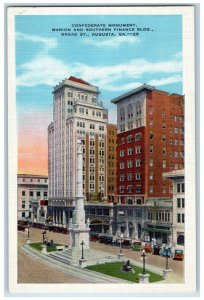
column 80, row 230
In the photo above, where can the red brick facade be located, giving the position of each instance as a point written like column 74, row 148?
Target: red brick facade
column 162, row 148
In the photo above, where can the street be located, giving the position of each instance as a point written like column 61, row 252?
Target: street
column 32, row 271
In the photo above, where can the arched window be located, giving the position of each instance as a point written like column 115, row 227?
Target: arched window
column 130, row 111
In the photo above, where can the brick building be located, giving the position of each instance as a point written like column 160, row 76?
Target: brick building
column 111, row 162
column 150, row 141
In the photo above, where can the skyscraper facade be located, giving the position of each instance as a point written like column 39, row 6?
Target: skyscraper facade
column 77, row 114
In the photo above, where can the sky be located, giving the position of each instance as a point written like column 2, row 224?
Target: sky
column 148, row 50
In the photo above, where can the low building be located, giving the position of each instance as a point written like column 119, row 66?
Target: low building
column 100, row 214
column 32, row 197
column 178, row 225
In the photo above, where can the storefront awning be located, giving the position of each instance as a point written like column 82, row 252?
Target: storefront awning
column 147, row 229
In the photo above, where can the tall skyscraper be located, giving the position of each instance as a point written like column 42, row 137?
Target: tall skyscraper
column 77, row 114
column 150, row 141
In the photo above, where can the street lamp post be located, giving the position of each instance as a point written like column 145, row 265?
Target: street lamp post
column 82, row 249
column 143, row 255
column 43, row 235
column 28, row 227
column 121, row 236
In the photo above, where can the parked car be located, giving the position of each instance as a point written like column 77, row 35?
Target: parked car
column 137, row 246
column 148, row 247
column 126, row 244
column 178, row 254
column 156, row 249
column 94, row 237
column 105, row 239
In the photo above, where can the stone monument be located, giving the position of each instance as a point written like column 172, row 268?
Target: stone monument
column 78, row 229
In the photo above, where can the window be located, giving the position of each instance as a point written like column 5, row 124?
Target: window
column 138, row 188
column 164, row 164
column 45, row 194
column 38, row 194
column 122, row 177
column 138, row 136
column 23, row 204
column 163, row 137
column 178, row 218
column 129, row 163
column 151, row 136
column 138, row 176
column 151, row 148
column 130, row 177
column 129, row 139
column 151, row 189
column 163, row 189
column 122, row 165
column 122, row 189
column 130, row 151
column 163, row 125
column 151, row 176
column 183, row 188
column 138, row 149
column 151, row 162
column 183, row 202
column 164, row 151
column 23, row 193
column 150, row 122
column 178, row 202
column 138, row 162
column 183, row 218
column 180, row 239
column 178, row 188
column 31, row 193
column 23, row 214
column 129, row 188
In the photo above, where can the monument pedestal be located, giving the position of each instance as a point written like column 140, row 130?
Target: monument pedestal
column 44, row 249
column 82, row 262
column 166, row 273
column 143, row 278
column 28, row 241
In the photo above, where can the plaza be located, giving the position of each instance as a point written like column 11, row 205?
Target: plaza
column 43, row 273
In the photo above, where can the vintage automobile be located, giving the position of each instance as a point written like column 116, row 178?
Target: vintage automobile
column 105, row 239
column 148, row 247
column 137, row 246
column 156, row 249
column 178, row 254
column 94, row 237
column 126, row 244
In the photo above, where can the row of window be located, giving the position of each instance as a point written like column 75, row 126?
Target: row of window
column 138, row 189
column 130, row 176
column 81, row 96
column 38, row 194
column 130, row 111
column 34, row 180
column 91, row 126
column 130, row 188
column 161, row 216
column 130, row 138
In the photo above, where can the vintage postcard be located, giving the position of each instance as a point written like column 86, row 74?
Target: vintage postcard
column 101, row 120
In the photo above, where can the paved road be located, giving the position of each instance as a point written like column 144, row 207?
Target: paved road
column 32, row 271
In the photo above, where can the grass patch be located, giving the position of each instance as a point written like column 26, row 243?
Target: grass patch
column 38, row 246
column 115, row 270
